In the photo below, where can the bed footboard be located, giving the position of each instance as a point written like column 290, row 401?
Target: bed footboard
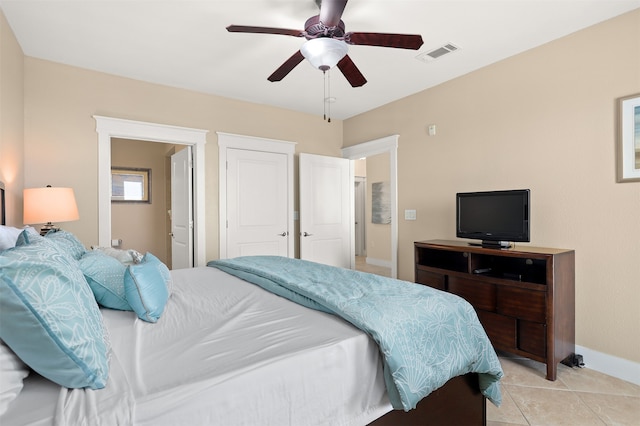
column 458, row 402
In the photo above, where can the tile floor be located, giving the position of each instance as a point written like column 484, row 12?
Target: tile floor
column 579, row 396
column 362, row 265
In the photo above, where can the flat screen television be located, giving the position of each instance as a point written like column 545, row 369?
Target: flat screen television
column 497, row 218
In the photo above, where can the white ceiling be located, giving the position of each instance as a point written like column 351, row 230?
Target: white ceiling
column 184, row 43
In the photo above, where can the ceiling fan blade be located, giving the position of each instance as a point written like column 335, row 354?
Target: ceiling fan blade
column 264, row 30
column 402, row 41
column 286, row 68
column 351, row 72
column 331, row 12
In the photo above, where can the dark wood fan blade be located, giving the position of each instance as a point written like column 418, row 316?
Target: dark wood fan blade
column 264, row 30
column 331, row 12
column 286, row 68
column 402, row 41
column 351, row 72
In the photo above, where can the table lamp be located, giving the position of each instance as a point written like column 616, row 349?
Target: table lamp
column 47, row 205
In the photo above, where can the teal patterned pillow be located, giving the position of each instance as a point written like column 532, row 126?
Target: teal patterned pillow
column 146, row 287
column 67, row 242
column 105, row 276
column 49, row 317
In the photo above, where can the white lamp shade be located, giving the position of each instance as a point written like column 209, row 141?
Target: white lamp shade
column 324, row 52
column 42, row 205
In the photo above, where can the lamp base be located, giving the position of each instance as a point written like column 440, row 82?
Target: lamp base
column 48, row 227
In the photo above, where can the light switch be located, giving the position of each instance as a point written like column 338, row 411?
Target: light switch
column 409, row 215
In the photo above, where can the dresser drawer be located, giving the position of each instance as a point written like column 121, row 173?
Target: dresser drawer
column 521, row 303
column 500, row 329
column 431, row 279
column 532, row 338
column 480, row 294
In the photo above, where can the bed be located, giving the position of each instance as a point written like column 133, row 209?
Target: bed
column 206, row 346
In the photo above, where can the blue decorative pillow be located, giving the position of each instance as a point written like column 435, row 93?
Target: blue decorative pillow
column 105, row 276
column 67, row 242
column 49, row 317
column 146, row 287
column 27, row 237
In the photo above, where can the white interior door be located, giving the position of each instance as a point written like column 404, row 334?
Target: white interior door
column 181, row 209
column 326, row 210
column 257, row 203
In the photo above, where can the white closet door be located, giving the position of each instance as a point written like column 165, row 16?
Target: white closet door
column 257, row 203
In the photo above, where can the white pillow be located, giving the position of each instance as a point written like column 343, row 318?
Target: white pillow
column 127, row 257
column 12, row 373
column 9, row 235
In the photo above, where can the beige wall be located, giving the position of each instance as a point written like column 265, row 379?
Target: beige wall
column 543, row 120
column 378, row 234
column 143, row 226
column 11, row 121
column 61, row 141
column 360, row 167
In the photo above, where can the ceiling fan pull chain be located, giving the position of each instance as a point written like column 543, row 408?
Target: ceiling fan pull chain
column 327, row 100
column 324, row 95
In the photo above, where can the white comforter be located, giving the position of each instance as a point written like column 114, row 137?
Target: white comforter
column 226, row 352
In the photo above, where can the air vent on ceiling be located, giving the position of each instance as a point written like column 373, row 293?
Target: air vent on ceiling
column 438, row 52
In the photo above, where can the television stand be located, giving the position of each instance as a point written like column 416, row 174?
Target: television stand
column 524, row 296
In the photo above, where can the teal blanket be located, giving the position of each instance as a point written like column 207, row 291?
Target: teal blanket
column 426, row 336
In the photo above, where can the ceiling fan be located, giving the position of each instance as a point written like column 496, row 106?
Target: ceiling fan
column 327, row 41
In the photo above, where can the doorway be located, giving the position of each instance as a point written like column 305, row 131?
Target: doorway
column 372, row 221
column 387, row 145
column 108, row 128
column 143, row 225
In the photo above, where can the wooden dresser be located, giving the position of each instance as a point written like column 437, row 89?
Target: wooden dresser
column 524, row 296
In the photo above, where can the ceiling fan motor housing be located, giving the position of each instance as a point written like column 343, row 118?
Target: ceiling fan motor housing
column 314, row 29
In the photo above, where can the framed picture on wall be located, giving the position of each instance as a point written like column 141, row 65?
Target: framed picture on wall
column 130, row 185
column 380, row 203
column 628, row 143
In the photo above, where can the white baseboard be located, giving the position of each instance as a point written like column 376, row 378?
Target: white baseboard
column 378, row 262
column 610, row 365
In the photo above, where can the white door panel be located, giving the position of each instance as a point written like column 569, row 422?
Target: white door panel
column 327, row 251
column 258, row 249
column 326, row 210
column 181, row 210
column 257, row 214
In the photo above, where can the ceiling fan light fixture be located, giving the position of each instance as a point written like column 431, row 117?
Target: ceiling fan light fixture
column 324, row 52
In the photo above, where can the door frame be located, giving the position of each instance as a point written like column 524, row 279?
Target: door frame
column 251, row 143
column 388, row 144
column 110, row 127
column 360, row 205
